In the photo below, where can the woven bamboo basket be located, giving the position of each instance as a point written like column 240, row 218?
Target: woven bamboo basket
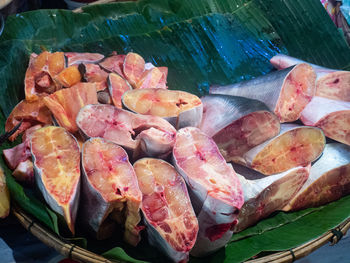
column 75, row 252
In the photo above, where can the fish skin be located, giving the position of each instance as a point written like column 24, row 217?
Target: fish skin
column 265, row 195
column 330, row 83
column 329, row 179
column 271, row 89
column 332, row 116
column 215, row 209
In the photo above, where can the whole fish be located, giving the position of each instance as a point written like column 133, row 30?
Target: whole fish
column 330, row 83
column 265, row 195
column 329, row 179
column 294, row 146
column 285, row 92
column 237, row 124
column 332, row 116
column 214, row 188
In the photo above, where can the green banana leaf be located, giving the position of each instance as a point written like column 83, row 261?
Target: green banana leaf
column 203, row 42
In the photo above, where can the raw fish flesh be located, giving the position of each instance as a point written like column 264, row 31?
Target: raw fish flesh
column 41, row 73
column 66, row 103
column 329, row 179
column 133, row 68
column 214, row 188
column 294, row 146
column 265, row 195
column 237, row 124
column 110, row 191
column 114, row 64
column 180, row 108
column 151, row 135
column 30, row 114
column 285, row 92
column 332, row 116
column 56, row 158
column 117, row 86
column 171, row 223
column 330, row 83
column 78, row 58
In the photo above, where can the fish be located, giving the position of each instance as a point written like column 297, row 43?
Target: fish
column 332, row 116
column 117, row 86
column 74, row 58
column 285, row 92
column 152, row 79
column 329, row 179
column 110, row 191
column 213, row 185
column 114, row 64
column 264, row 195
column 19, row 158
column 94, row 74
column 170, row 221
column 27, row 114
column 66, row 103
column 24, row 172
column 237, row 124
column 69, row 76
column 133, row 68
column 294, row 146
column 56, row 158
column 40, row 77
column 330, row 83
column 149, row 135
column 180, row 108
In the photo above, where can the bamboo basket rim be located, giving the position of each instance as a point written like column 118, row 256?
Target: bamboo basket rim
column 75, row 252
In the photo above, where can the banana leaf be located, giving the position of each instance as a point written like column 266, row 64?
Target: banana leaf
column 203, row 43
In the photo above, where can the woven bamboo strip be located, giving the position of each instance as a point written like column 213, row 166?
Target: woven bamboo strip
column 75, row 252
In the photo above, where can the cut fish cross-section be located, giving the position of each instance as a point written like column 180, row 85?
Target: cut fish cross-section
column 329, row 179
column 294, row 146
column 151, row 135
column 264, row 195
column 110, row 191
column 214, row 188
column 180, row 108
column 56, row 158
column 286, row 92
column 332, row 116
column 168, row 214
column 237, row 124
